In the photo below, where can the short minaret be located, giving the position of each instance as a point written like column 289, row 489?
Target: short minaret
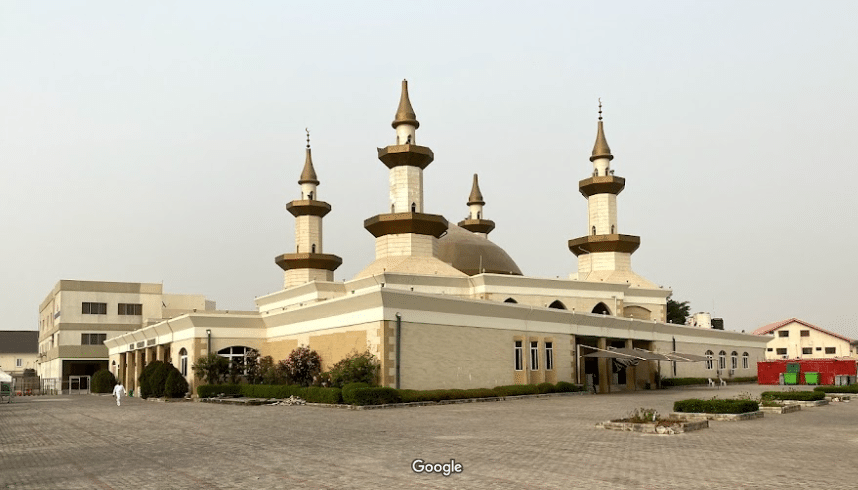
column 604, row 248
column 308, row 263
column 475, row 222
column 406, row 230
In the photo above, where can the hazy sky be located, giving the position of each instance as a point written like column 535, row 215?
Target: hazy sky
column 160, row 141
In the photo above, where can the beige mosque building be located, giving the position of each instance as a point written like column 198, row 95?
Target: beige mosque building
column 442, row 306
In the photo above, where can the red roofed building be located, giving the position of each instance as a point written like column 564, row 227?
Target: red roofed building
column 797, row 339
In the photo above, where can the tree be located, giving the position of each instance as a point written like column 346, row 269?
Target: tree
column 211, row 368
column 176, row 386
column 301, row 366
column 356, row 368
column 677, row 311
column 252, row 369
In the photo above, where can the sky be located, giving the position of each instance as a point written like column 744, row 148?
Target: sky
column 159, row 142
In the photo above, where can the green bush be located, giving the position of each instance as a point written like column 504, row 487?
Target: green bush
column 300, row 366
column 545, row 388
column 317, row 394
column 348, row 392
column 145, row 386
column 666, row 382
column 176, row 386
column 212, row 368
column 515, row 390
column 567, row 387
column 208, row 391
column 158, row 379
column 695, row 405
column 374, row 396
column 793, row 395
column 411, row 396
column 825, row 389
column 356, row 368
column 103, row 381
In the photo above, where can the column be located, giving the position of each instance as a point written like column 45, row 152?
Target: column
column 159, row 353
column 604, row 369
column 631, row 371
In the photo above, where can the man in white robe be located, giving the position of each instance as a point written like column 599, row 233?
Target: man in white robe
column 118, row 390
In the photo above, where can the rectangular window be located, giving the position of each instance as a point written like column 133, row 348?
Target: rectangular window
column 745, row 362
column 819, row 348
column 770, row 349
column 831, row 350
column 549, row 356
column 805, row 333
column 519, row 356
column 130, row 309
column 807, row 350
column 781, row 351
column 534, row 356
column 88, row 308
column 783, row 333
column 734, row 361
column 92, row 338
column 19, row 362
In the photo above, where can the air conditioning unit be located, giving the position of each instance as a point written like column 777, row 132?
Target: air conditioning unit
column 731, row 372
column 784, row 357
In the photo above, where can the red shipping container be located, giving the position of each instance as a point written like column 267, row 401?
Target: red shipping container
column 768, row 372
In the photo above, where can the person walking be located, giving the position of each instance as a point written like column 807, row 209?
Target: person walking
column 118, row 390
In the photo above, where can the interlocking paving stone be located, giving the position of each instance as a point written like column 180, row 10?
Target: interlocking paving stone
column 87, row 442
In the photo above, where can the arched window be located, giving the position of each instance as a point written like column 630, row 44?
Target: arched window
column 557, row 305
column 594, row 230
column 734, row 360
column 722, row 360
column 183, row 361
column 392, row 208
column 601, row 309
column 478, row 215
column 313, row 248
column 510, row 300
column 709, row 363
column 413, row 207
column 612, row 229
column 745, row 360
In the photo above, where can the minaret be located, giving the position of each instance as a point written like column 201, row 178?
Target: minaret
column 604, row 248
column 475, row 222
column 406, row 230
column 308, row 263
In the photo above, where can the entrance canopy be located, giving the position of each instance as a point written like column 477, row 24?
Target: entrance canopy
column 681, row 357
column 5, row 377
column 623, row 353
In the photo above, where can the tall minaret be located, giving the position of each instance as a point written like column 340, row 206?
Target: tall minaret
column 308, row 263
column 406, row 230
column 475, row 221
column 603, row 249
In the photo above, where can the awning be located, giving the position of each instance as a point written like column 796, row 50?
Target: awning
column 682, row 357
column 623, row 353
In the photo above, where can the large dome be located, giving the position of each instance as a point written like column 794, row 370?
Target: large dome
column 473, row 254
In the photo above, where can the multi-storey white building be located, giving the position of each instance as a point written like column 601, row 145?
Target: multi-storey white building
column 797, row 339
column 76, row 317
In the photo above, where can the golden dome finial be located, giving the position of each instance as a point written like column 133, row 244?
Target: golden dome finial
column 405, row 113
column 308, row 175
column 601, row 148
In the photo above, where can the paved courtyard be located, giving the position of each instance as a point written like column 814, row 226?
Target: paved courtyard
column 85, row 441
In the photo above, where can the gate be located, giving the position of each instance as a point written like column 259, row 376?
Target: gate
column 79, row 385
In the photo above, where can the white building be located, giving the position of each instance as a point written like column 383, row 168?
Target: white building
column 797, row 339
column 442, row 306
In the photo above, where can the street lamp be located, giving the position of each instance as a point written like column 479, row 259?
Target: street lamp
column 209, row 335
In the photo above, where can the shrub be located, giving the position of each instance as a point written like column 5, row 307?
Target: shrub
column 793, row 395
column 566, row 387
column 103, row 381
column 271, row 391
column 545, row 388
column 348, row 392
column 150, row 384
column 268, row 371
column 411, row 396
column 176, row 385
column 835, row 389
column 317, row 394
column 158, row 379
column 208, row 391
column 252, row 367
column 695, row 405
column 356, row 368
column 211, row 368
column 301, row 366
column 515, row 390
column 375, row 396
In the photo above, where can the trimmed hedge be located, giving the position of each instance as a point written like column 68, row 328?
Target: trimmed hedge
column 696, row 405
column 833, row 389
column 317, row 394
column 806, row 396
column 411, row 396
column 348, row 392
column 208, row 391
column 375, row 396
column 515, row 390
column 545, row 388
column 567, row 387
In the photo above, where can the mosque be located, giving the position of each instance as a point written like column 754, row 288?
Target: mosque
column 442, row 306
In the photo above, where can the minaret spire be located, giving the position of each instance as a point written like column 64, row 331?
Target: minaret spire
column 475, row 222
column 405, row 113
column 308, row 263
column 308, row 175
column 601, row 148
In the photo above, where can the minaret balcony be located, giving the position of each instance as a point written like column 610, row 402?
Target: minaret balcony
column 406, row 155
column 604, row 243
column 605, row 184
column 477, row 225
column 308, row 261
column 403, row 223
column 308, row 207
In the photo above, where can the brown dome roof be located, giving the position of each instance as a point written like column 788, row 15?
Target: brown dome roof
column 473, row 254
